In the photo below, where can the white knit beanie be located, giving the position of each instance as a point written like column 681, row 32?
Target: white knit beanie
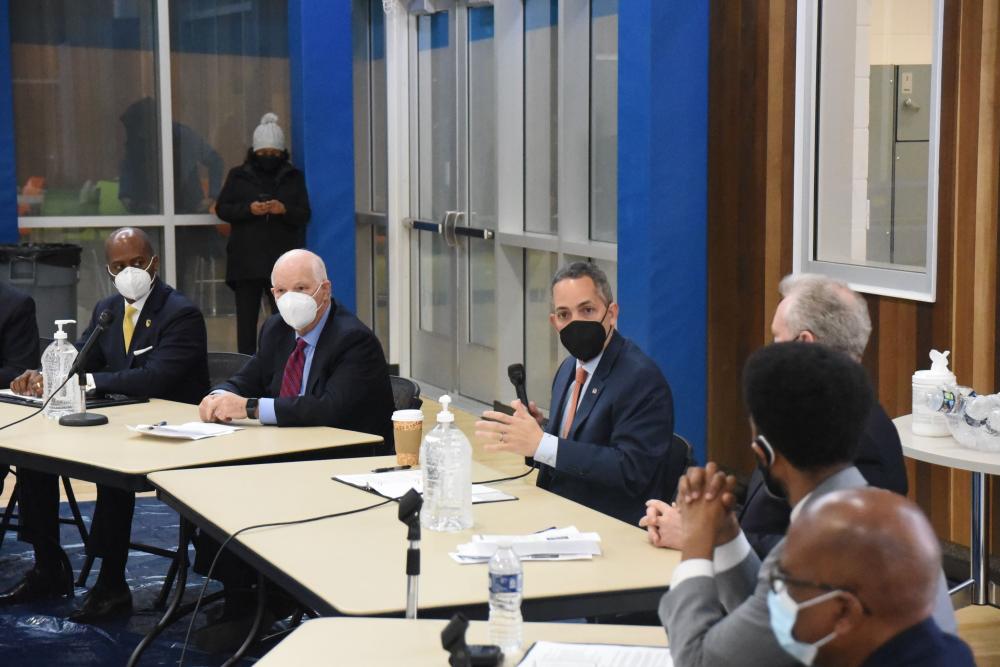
column 268, row 134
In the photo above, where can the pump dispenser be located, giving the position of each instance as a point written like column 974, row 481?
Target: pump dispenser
column 446, row 473
column 57, row 359
column 925, row 384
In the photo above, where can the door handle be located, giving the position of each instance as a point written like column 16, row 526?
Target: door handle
column 449, row 228
column 422, row 225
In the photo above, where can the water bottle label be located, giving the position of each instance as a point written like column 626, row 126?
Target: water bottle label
column 505, row 583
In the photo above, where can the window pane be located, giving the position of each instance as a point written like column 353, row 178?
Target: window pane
column 85, row 109
column 229, row 66
column 604, row 120
column 541, row 191
column 94, row 283
column 201, row 275
column 542, row 352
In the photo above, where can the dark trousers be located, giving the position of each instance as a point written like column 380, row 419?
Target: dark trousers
column 248, row 293
column 110, row 530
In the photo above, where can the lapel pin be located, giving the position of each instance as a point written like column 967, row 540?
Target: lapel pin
column 594, row 391
column 149, row 323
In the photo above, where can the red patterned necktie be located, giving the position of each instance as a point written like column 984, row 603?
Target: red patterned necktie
column 291, row 382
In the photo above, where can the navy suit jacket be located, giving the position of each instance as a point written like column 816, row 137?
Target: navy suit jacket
column 18, row 334
column 922, row 645
column 764, row 518
column 615, row 457
column 171, row 341
column 348, row 385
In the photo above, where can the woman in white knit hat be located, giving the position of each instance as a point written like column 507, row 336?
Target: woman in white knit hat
column 265, row 201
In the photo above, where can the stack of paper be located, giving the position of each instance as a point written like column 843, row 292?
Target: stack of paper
column 552, row 544
column 395, row 485
column 595, row 655
column 188, row 431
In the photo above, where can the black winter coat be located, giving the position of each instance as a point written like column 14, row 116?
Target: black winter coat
column 257, row 241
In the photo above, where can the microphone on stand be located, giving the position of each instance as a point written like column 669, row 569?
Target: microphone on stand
column 84, row 418
column 409, row 513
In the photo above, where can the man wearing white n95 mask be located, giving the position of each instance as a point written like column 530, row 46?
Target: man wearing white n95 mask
column 154, row 348
column 316, row 363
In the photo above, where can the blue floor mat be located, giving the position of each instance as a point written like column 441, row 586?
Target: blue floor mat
column 39, row 634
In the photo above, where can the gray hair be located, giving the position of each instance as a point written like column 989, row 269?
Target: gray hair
column 832, row 311
column 586, row 270
column 318, row 267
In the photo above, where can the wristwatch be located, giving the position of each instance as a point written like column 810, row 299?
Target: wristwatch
column 252, row 407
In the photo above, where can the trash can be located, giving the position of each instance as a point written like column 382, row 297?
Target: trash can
column 49, row 272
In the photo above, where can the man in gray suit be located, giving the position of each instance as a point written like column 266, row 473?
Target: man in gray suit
column 808, row 405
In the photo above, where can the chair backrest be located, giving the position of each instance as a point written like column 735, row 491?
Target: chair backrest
column 679, row 459
column 43, row 343
column 405, row 393
column 224, row 365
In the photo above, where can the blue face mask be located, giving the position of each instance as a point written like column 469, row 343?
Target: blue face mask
column 784, row 611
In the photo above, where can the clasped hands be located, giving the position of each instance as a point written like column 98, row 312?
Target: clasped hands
column 519, row 433
column 222, row 407
column 701, row 518
column 272, row 206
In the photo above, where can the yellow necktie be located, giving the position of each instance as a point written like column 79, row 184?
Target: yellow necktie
column 128, row 326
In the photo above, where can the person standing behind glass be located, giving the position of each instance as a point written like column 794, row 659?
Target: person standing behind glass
column 265, row 201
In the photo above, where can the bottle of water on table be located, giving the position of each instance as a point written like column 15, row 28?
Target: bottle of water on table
column 506, row 589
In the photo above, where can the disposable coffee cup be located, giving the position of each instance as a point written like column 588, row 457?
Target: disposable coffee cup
column 408, row 429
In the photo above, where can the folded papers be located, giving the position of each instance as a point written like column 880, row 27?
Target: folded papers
column 188, row 431
column 551, row 544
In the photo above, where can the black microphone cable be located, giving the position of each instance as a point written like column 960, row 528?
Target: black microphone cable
column 222, row 547
column 507, row 479
column 47, row 401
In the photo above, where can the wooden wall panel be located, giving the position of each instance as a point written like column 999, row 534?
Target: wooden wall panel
column 750, row 218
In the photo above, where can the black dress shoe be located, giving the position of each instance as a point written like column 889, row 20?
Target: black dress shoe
column 38, row 585
column 102, row 604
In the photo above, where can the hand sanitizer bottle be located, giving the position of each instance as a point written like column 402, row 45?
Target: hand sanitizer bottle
column 446, row 473
column 57, row 359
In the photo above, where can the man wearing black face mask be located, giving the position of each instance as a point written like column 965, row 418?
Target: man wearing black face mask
column 266, row 202
column 612, row 417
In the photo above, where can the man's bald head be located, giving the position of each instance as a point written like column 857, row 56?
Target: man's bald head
column 299, row 260
column 132, row 237
column 872, row 542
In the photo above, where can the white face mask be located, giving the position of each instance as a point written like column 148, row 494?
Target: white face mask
column 133, row 283
column 298, row 309
column 784, row 611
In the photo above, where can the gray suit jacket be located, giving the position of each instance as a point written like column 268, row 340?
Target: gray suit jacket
column 723, row 620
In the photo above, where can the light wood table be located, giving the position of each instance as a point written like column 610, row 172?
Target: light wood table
column 111, row 454
column 355, row 565
column 388, row 642
column 945, row 451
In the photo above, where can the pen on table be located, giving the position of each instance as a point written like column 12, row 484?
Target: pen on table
column 153, row 426
column 392, row 469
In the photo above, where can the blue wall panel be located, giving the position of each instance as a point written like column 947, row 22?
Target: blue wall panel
column 319, row 36
column 8, row 163
column 662, row 190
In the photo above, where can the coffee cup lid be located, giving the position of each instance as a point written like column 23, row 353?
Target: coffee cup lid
column 407, row 415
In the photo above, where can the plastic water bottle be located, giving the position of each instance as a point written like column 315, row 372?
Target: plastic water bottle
column 506, row 589
column 57, row 359
column 446, row 473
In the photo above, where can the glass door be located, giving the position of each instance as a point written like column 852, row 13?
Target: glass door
column 453, row 189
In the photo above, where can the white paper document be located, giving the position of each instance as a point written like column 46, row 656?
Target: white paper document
column 395, row 484
column 552, row 544
column 33, row 399
column 558, row 654
column 188, row 431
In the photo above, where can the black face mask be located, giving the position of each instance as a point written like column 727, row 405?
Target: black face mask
column 771, row 485
column 268, row 163
column 584, row 339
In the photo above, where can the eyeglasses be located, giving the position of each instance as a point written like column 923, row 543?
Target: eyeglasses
column 778, row 580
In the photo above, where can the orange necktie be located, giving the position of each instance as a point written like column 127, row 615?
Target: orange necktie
column 581, row 377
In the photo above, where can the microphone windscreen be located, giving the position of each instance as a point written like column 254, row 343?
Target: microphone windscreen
column 515, row 372
column 105, row 318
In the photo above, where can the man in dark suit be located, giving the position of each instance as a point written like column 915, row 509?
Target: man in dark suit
column 868, row 606
column 317, row 364
column 18, row 340
column 612, row 420
column 814, row 309
column 156, row 348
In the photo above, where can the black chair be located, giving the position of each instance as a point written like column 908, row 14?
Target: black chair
column 224, row 365
column 405, row 393
column 679, row 458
